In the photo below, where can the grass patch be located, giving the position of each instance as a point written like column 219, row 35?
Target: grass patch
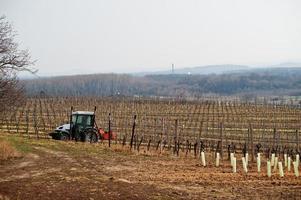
column 20, row 144
column 7, row 151
column 25, row 145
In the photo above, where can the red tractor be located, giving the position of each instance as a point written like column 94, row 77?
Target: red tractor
column 82, row 127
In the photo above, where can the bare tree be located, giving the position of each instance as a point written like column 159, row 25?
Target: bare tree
column 12, row 60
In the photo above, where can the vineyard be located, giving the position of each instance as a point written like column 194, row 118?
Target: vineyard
column 189, row 126
column 165, row 149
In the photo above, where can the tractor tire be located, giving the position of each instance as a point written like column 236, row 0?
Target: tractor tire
column 64, row 136
column 90, row 135
column 93, row 138
column 77, row 137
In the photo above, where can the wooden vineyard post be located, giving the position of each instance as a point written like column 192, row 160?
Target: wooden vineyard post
column 135, row 141
column 252, row 144
column 176, row 136
column 168, row 138
column 141, row 140
column 110, row 130
column 297, row 139
column 27, row 122
column 197, row 150
column 163, row 132
column 274, row 137
column 35, row 120
column 49, row 121
column 7, row 122
column 278, row 138
column 70, row 121
column 16, row 121
column 2, row 122
column 221, row 138
column 133, row 131
column 42, row 116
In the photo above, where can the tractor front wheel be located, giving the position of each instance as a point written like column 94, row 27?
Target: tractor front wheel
column 63, row 136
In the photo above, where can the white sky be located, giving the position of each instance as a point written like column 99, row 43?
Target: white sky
column 71, row 37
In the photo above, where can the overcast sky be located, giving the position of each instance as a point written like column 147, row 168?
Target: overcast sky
column 73, row 37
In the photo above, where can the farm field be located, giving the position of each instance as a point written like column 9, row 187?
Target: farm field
column 157, row 153
column 48, row 169
column 163, row 121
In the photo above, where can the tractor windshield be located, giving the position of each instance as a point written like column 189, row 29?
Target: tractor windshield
column 83, row 120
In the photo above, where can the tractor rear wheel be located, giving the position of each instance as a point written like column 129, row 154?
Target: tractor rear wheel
column 90, row 135
column 94, row 137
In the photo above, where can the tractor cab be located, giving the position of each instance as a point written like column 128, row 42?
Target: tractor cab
column 80, row 120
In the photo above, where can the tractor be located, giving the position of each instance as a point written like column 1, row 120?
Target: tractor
column 82, row 127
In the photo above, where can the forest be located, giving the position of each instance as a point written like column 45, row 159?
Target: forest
column 265, row 82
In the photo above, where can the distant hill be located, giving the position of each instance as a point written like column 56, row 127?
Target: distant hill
column 226, row 69
column 201, row 70
column 285, row 65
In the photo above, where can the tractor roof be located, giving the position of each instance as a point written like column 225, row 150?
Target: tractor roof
column 82, row 113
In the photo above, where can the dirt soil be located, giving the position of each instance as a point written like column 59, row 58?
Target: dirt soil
column 67, row 170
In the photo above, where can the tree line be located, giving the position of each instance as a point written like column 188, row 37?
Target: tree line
column 274, row 82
